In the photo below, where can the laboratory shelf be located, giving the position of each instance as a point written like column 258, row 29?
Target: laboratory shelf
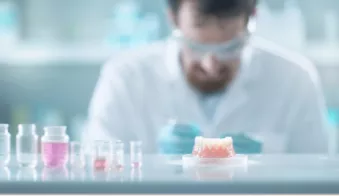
column 96, row 55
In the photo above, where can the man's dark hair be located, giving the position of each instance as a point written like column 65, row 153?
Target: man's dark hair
column 220, row 8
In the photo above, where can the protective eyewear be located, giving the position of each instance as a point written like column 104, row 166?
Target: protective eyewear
column 224, row 51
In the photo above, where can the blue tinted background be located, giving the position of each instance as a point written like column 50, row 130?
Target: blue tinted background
column 51, row 51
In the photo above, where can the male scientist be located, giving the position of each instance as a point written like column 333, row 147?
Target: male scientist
column 213, row 79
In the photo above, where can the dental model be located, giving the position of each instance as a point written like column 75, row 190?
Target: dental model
column 213, row 147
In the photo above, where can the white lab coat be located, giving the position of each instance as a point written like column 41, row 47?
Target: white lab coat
column 275, row 99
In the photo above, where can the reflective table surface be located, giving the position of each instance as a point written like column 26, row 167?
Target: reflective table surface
column 162, row 174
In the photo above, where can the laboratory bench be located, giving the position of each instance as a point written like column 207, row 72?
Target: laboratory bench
column 271, row 174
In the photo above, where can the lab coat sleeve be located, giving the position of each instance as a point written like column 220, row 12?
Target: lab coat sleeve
column 109, row 108
column 308, row 126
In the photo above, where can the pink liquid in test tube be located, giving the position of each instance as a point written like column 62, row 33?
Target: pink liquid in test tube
column 136, row 154
column 100, row 164
column 118, row 156
column 102, row 155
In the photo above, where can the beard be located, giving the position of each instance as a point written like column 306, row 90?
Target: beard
column 207, row 84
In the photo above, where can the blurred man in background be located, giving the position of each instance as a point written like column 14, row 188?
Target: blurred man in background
column 215, row 80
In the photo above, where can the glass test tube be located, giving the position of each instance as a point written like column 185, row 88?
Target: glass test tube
column 118, row 155
column 136, row 174
column 77, row 155
column 136, row 154
column 27, row 145
column 78, row 174
column 102, row 155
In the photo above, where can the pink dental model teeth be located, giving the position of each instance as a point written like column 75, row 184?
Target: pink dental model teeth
column 213, row 147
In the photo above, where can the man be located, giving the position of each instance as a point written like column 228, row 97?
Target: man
column 212, row 73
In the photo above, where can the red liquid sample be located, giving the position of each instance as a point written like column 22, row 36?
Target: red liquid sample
column 100, row 164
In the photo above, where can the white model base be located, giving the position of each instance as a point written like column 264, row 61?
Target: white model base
column 190, row 161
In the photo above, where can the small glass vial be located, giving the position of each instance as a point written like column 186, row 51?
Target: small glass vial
column 136, row 154
column 54, row 147
column 118, row 155
column 5, row 145
column 77, row 156
column 102, row 155
column 136, row 175
column 27, row 145
column 78, row 174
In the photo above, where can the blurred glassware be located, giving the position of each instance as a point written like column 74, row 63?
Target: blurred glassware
column 9, row 27
column 136, row 154
column 5, row 145
column 288, row 16
column 27, row 145
column 27, row 174
column 55, row 174
column 102, row 155
column 124, row 21
column 118, row 157
column 78, row 174
column 136, row 175
column 5, row 174
column 77, row 159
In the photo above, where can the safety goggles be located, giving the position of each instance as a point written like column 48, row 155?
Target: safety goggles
column 223, row 51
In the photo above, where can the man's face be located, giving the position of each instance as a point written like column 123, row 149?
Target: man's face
column 208, row 73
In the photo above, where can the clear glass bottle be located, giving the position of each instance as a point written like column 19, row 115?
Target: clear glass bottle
column 27, row 174
column 5, row 145
column 54, row 146
column 27, row 145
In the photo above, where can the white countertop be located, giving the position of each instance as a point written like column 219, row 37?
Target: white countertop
column 263, row 174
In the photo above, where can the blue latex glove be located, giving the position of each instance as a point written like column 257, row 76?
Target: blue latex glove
column 176, row 138
column 243, row 144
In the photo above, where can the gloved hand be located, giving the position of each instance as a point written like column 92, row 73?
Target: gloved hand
column 244, row 144
column 176, row 138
